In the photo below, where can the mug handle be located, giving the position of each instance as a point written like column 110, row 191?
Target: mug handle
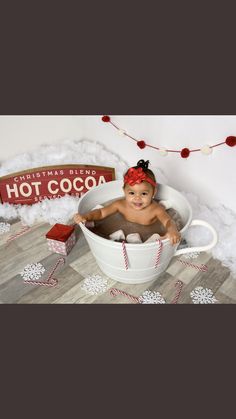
column 200, row 248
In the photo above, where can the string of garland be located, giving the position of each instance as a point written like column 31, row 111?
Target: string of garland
column 184, row 152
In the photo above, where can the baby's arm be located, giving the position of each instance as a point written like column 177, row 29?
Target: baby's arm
column 171, row 229
column 97, row 214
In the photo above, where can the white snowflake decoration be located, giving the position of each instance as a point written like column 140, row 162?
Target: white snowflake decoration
column 202, row 295
column 151, row 297
column 94, row 284
column 192, row 255
column 33, row 271
column 4, row 227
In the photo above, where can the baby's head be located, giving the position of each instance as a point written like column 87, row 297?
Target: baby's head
column 139, row 185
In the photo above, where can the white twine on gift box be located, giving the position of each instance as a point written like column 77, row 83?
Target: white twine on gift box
column 50, row 282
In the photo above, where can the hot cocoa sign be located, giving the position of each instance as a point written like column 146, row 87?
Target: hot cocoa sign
column 34, row 185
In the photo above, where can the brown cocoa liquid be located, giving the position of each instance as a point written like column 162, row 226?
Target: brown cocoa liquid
column 114, row 222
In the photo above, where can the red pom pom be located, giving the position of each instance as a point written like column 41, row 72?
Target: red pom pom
column 231, row 141
column 106, row 118
column 185, row 153
column 141, row 144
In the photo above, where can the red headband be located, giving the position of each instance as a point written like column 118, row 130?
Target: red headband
column 134, row 176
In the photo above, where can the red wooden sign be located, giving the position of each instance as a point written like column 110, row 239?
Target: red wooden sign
column 34, row 185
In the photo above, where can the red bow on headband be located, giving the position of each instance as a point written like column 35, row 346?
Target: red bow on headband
column 137, row 176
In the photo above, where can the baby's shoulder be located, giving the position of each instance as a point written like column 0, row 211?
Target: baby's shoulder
column 120, row 203
column 158, row 207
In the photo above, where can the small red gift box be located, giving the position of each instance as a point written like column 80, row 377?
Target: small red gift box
column 61, row 238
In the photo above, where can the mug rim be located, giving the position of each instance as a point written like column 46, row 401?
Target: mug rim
column 130, row 245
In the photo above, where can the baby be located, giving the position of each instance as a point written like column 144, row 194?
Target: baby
column 138, row 205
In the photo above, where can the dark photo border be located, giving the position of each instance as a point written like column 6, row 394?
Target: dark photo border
column 149, row 357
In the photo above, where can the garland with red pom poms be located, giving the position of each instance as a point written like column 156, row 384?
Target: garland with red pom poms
column 184, row 153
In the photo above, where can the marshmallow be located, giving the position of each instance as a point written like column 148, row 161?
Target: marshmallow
column 153, row 238
column 133, row 238
column 89, row 224
column 117, row 235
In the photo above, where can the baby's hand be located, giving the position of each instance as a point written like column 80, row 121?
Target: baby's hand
column 173, row 236
column 79, row 219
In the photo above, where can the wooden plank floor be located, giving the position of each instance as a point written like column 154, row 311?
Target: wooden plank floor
column 80, row 263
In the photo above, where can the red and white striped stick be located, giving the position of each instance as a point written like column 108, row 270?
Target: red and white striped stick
column 159, row 242
column 115, row 291
column 50, row 282
column 125, row 255
column 60, row 260
column 22, row 231
column 201, row 267
column 179, row 285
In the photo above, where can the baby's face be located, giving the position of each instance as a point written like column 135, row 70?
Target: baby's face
column 139, row 196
